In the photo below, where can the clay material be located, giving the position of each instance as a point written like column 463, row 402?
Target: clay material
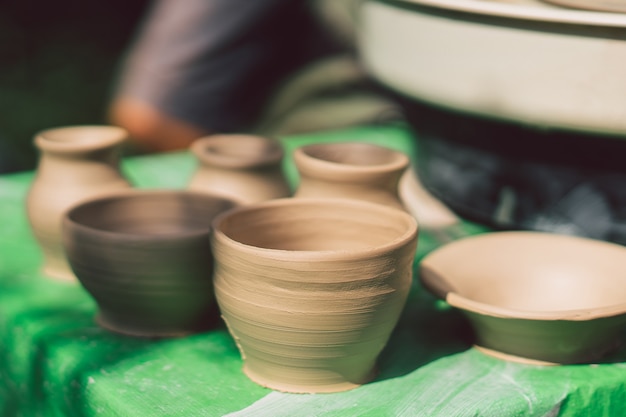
column 535, row 296
column 311, row 289
column 145, row 257
column 354, row 170
column 245, row 168
column 76, row 163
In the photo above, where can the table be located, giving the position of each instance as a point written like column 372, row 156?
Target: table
column 54, row 361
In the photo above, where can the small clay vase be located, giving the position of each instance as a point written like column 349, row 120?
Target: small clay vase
column 245, row 168
column 354, row 170
column 311, row 289
column 145, row 257
column 75, row 163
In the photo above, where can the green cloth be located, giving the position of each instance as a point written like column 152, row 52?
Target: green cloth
column 54, row 361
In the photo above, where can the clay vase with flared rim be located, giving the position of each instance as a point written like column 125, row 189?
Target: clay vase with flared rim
column 75, row 163
column 245, row 168
column 534, row 297
column 311, row 289
column 354, row 170
column 145, row 257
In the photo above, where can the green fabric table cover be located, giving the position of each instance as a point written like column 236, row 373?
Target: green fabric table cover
column 54, row 361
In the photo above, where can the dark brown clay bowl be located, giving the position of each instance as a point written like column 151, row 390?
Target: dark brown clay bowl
column 533, row 296
column 145, row 257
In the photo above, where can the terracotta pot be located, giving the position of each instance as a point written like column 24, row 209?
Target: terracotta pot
column 75, row 163
column 312, row 289
column 145, row 257
column 532, row 296
column 354, row 170
column 245, row 168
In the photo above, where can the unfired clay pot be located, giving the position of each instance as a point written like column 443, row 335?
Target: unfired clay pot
column 354, row 170
column 75, row 163
column 245, row 168
column 145, row 257
column 535, row 297
column 312, row 289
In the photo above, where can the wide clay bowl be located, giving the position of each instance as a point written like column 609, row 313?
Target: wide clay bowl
column 535, row 296
column 312, row 289
column 145, row 257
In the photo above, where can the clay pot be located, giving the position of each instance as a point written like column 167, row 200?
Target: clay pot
column 75, row 163
column 354, row 170
column 244, row 168
column 145, row 257
column 312, row 289
column 532, row 296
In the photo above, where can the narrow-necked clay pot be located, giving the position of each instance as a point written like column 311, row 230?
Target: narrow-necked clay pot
column 145, row 257
column 532, row 296
column 354, row 170
column 312, row 289
column 75, row 163
column 245, row 168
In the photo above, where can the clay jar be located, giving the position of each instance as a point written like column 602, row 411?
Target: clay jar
column 245, row 168
column 311, row 289
column 75, row 163
column 145, row 257
column 354, row 170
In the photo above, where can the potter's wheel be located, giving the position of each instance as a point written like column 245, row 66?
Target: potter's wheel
column 525, row 61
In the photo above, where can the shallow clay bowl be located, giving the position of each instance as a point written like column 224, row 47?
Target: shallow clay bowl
column 145, row 257
column 533, row 296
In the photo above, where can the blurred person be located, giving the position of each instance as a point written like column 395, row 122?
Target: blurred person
column 204, row 66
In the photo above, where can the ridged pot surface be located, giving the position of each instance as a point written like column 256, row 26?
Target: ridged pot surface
column 145, row 257
column 76, row 163
column 312, row 289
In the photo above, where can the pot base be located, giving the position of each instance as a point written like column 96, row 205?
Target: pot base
column 513, row 358
column 58, row 273
column 297, row 388
column 135, row 332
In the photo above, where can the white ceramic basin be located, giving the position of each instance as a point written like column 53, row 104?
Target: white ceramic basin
column 519, row 60
column 534, row 296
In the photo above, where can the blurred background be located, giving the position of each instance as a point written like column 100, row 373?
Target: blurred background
column 57, row 62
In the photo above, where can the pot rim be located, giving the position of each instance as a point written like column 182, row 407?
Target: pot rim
column 206, row 149
column 314, row 255
column 434, row 280
column 134, row 193
column 524, row 12
column 582, row 314
column 305, row 162
column 91, row 138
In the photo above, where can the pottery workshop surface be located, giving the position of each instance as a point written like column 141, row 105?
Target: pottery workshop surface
column 55, row 361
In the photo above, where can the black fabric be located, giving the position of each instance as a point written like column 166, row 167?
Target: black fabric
column 513, row 176
column 213, row 63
